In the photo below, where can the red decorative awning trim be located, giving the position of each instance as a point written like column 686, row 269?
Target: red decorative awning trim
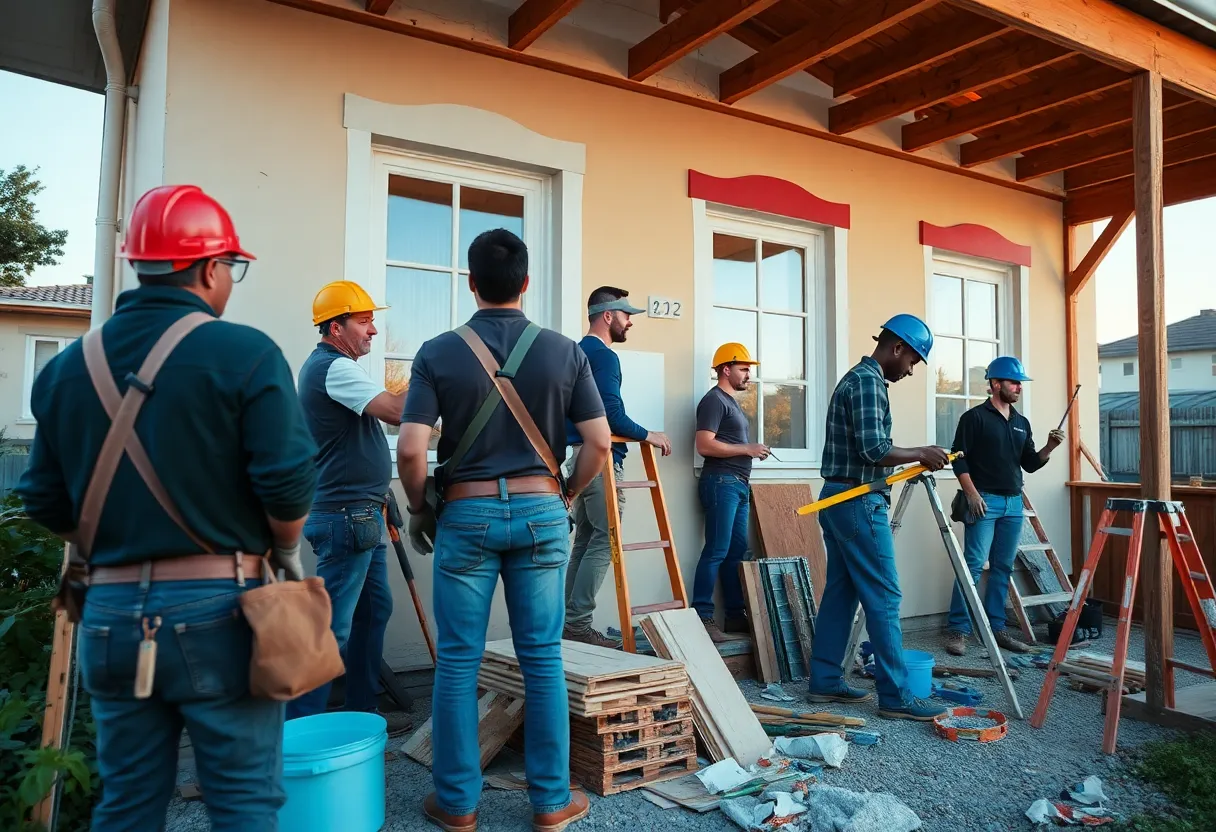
column 975, row 240
column 768, row 194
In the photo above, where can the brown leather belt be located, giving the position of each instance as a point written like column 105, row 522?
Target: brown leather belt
column 489, row 488
column 183, row 568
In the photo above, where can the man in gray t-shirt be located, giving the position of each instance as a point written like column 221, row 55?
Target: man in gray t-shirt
column 722, row 439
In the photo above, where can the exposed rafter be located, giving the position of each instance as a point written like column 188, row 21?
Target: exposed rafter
column 378, row 6
column 533, row 19
column 690, row 30
column 1097, row 252
column 1065, row 85
column 916, row 52
column 669, row 8
column 1183, row 183
column 1177, row 150
column 832, row 31
column 991, row 63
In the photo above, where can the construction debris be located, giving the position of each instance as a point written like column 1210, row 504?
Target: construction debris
column 827, row 747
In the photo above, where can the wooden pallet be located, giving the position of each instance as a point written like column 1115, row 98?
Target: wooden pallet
column 635, row 776
column 580, row 704
column 591, row 761
column 583, row 734
column 649, row 710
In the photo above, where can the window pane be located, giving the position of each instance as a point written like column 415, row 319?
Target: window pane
column 466, row 302
column 948, row 365
column 785, row 416
column 782, row 277
column 396, row 380
column 734, row 271
column 747, row 401
column 949, row 411
column 981, row 309
column 419, row 221
column 979, row 356
column 782, row 347
column 421, row 308
column 483, row 210
column 44, row 351
column 734, row 325
column 947, row 305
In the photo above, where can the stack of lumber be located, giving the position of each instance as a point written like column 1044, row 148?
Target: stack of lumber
column 806, row 720
column 721, row 715
column 1091, row 671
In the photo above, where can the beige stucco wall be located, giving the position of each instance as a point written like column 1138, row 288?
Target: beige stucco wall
column 15, row 329
column 254, row 115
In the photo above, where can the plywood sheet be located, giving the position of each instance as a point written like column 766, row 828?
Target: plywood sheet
column 784, row 534
column 584, row 663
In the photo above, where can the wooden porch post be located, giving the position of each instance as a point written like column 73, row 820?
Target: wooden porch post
column 1070, row 348
column 1156, row 573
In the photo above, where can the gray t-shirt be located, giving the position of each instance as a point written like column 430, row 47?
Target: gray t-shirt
column 447, row 381
column 720, row 413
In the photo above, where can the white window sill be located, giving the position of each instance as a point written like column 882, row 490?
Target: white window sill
column 26, row 420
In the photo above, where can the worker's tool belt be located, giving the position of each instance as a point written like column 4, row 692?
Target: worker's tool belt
column 490, row 488
column 294, row 649
column 843, row 481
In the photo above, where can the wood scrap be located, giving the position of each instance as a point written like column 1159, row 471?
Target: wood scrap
column 721, row 714
column 687, row 791
column 498, row 717
column 784, row 534
column 758, row 620
column 801, row 619
column 823, row 717
column 974, row 672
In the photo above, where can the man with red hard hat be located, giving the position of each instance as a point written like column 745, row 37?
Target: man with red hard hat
column 218, row 464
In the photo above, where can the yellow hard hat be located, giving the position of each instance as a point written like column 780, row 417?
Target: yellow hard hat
column 732, row 353
column 342, row 297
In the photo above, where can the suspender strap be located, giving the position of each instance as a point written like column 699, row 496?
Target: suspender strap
column 503, row 390
column 121, row 435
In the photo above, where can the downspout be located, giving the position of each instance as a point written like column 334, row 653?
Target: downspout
column 111, row 161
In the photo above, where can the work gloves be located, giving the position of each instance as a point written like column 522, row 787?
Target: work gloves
column 422, row 529
column 289, row 561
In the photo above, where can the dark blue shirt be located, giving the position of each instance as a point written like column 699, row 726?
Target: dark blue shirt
column 223, row 429
column 606, row 370
column 719, row 413
column 995, row 450
column 858, row 425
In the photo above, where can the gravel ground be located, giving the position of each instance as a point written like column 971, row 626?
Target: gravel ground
column 952, row 786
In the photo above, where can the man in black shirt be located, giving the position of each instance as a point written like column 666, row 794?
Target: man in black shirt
column 722, row 434
column 503, row 388
column 997, row 446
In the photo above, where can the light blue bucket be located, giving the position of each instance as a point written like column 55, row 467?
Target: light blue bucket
column 920, row 672
column 333, row 772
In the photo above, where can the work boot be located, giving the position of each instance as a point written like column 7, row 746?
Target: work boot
column 591, row 636
column 1010, row 642
column 578, row 809
column 715, row 634
column 446, row 822
column 955, row 643
column 736, row 624
column 844, row 693
column 915, row 709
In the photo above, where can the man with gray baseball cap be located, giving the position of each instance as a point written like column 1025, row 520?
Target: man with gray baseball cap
column 609, row 313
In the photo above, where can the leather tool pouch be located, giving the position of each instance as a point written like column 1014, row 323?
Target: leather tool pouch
column 73, row 587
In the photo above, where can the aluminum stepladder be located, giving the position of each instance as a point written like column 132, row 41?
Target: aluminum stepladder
column 666, row 542
column 955, row 554
column 1176, row 529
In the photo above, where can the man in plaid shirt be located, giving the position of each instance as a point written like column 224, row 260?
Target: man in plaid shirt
column 857, row 533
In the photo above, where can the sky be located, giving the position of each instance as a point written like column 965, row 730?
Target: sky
column 58, row 130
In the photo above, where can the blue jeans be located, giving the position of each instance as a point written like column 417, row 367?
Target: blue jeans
column 201, row 683
column 351, row 558
column 525, row 539
column 861, row 567
column 994, row 537
column 727, row 504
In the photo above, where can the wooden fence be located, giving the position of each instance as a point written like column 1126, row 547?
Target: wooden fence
column 1192, row 443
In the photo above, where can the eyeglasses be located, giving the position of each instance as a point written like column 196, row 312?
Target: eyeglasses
column 237, row 266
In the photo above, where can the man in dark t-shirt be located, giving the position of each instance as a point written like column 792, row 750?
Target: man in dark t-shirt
column 722, row 439
column 502, row 512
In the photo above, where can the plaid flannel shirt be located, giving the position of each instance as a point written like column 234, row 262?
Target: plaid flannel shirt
column 858, row 425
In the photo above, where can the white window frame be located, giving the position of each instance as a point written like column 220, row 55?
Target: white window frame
column 1013, row 317
column 826, row 344
column 27, row 378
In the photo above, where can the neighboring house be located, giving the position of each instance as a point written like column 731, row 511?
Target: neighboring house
column 36, row 322
column 1192, row 357
column 916, row 165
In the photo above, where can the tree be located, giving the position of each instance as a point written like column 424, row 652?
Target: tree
column 24, row 242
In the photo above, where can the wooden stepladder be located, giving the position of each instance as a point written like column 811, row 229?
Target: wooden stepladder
column 666, row 542
column 1022, row 604
column 1174, row 526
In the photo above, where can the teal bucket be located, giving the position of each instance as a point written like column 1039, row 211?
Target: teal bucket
column 919, row 665
column 333, row 772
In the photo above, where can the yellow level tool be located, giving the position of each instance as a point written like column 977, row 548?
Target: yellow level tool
column 844, row 496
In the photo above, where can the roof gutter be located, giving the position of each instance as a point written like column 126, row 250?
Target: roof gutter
column 113, row 129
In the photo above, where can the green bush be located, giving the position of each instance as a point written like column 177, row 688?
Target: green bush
column 1185, row 770
column 30, row 561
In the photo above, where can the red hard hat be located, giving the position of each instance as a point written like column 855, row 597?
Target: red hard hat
column 176, row 225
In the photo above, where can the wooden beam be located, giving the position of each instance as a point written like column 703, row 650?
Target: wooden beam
column 689, row 31
column 1072, row 370
column 670, row 8
column 1068, row 84
column 1113, row 34
column 833, row 31
column 533, row 18
column 1182, row 119
column 993, row 62
column 916, row 52
column 378, row 6
column 1183, row 149
column 1079, row 277
column 754, row 35
column 1155, row 568
column 1183, row 183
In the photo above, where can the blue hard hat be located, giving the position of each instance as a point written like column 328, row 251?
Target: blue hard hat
column 1008, row 368
column 912, row 331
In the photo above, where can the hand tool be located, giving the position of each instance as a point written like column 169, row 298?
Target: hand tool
column 877, row 485
column 962, row 694
column 395, row 523
column 1069, row 410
